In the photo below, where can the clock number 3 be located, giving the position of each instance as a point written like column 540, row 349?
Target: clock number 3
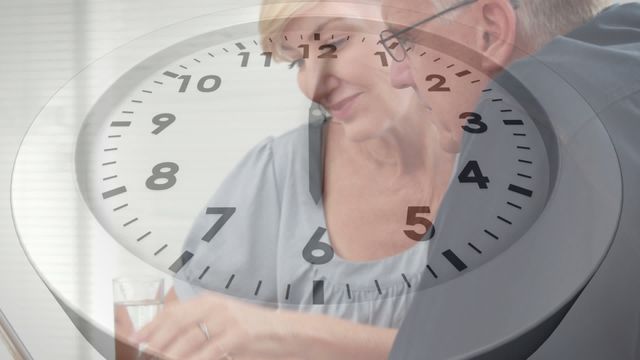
column 166, row 172
column 226, row 213
column 314, row 246
column 414, row 219
column 474, row 119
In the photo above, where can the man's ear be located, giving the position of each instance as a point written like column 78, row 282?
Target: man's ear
column 498, row 34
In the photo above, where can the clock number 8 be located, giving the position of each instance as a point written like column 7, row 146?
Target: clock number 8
column 314, row 245
column 164, row 171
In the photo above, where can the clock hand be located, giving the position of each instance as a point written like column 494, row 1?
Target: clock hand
column 317, row 117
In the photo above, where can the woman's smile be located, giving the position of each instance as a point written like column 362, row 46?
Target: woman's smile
column 342, row 109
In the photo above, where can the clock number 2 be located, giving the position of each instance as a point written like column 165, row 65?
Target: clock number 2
column 310, row 251
column 165, row 171
column 472, row 174
column 226, row 213
column 414, row 219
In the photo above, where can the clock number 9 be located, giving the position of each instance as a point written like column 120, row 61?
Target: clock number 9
column 163, row 121
column 314, row 245
column 414, row 219
column 203, row 85
column 474, row 119
column 472, row 174
column 164, row 171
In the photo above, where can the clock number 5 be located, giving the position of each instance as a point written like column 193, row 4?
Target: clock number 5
column 165, row 171
column 314, row 246
column 226, row 213
column 414, row 219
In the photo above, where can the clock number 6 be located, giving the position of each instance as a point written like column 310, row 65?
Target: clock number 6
column 314, row 245
column 164, row 171
column 226, row 213
column 414, row 219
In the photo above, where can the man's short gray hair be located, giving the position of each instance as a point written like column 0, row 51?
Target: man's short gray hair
column 539, row 21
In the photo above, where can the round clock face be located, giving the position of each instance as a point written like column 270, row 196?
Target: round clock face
column 166, row 141
column 155, row 150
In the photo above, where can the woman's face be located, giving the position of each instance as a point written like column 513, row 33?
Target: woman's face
column 354, row 86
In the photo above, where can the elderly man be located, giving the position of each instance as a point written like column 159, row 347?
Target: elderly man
column 594, row 47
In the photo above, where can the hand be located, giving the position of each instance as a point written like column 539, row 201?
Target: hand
column 236, row 330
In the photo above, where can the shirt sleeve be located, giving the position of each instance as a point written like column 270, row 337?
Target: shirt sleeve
column 233, row 239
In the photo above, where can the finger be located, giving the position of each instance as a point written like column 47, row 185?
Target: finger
column 217, row 348
column 186, row 345
column 176, row 318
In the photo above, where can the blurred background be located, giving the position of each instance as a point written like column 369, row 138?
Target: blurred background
column 43, row 44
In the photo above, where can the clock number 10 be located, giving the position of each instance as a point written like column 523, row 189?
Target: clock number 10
column 206, row 84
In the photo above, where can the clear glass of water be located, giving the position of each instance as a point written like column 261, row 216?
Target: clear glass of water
column 136, row 301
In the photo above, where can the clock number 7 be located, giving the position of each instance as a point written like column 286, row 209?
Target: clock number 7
column 414, row 219
column 226, row 213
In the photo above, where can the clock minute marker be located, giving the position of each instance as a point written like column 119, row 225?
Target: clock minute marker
column 475, row 248
column 204, row 272
column 348, row 291
column 378, row 287
column 318, row 292
column 229, row 281
column 109, row 177
column 109, row 163
column 525, row 176
column 504, row 220
column 143, row 236
column 255, row 293
column 129, row 222
column 514, row 205
column 286, row 296
column 520, row 190
column 181, row 261
column 184, row 67
column 114, row 192
column 491, row 234
column 120, row 123
column 433, row 273
column 525, row 161
column 121, row 207
column 240, row 46
column 160, row 250
column 523, row 147
column 454, row 260
column 513, row 122
column 463, row 73
column 404, row 277
column 158, row 82
column 170, row 74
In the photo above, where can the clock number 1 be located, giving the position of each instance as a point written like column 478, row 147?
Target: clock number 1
column 226, row 213
column 414, row 219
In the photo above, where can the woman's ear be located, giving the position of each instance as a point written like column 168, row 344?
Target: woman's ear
column 498, row 34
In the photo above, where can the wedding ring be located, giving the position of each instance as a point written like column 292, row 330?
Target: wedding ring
column 204, row 329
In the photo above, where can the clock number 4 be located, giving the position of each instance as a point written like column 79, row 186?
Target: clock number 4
column 413, row 218
column 226, row 213
column 472, row 174
column 166, row 172
column 206, row 84
column 316, row 252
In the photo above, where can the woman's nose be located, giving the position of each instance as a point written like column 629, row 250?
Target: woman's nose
column 317, row 80
column 401, row 76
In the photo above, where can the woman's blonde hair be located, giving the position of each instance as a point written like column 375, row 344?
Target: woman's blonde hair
column 274, row 17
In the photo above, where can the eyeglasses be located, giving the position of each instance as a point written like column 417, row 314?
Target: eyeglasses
column 396, row 47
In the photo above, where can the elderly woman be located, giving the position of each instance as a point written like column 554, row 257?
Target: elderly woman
column 380, row 158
